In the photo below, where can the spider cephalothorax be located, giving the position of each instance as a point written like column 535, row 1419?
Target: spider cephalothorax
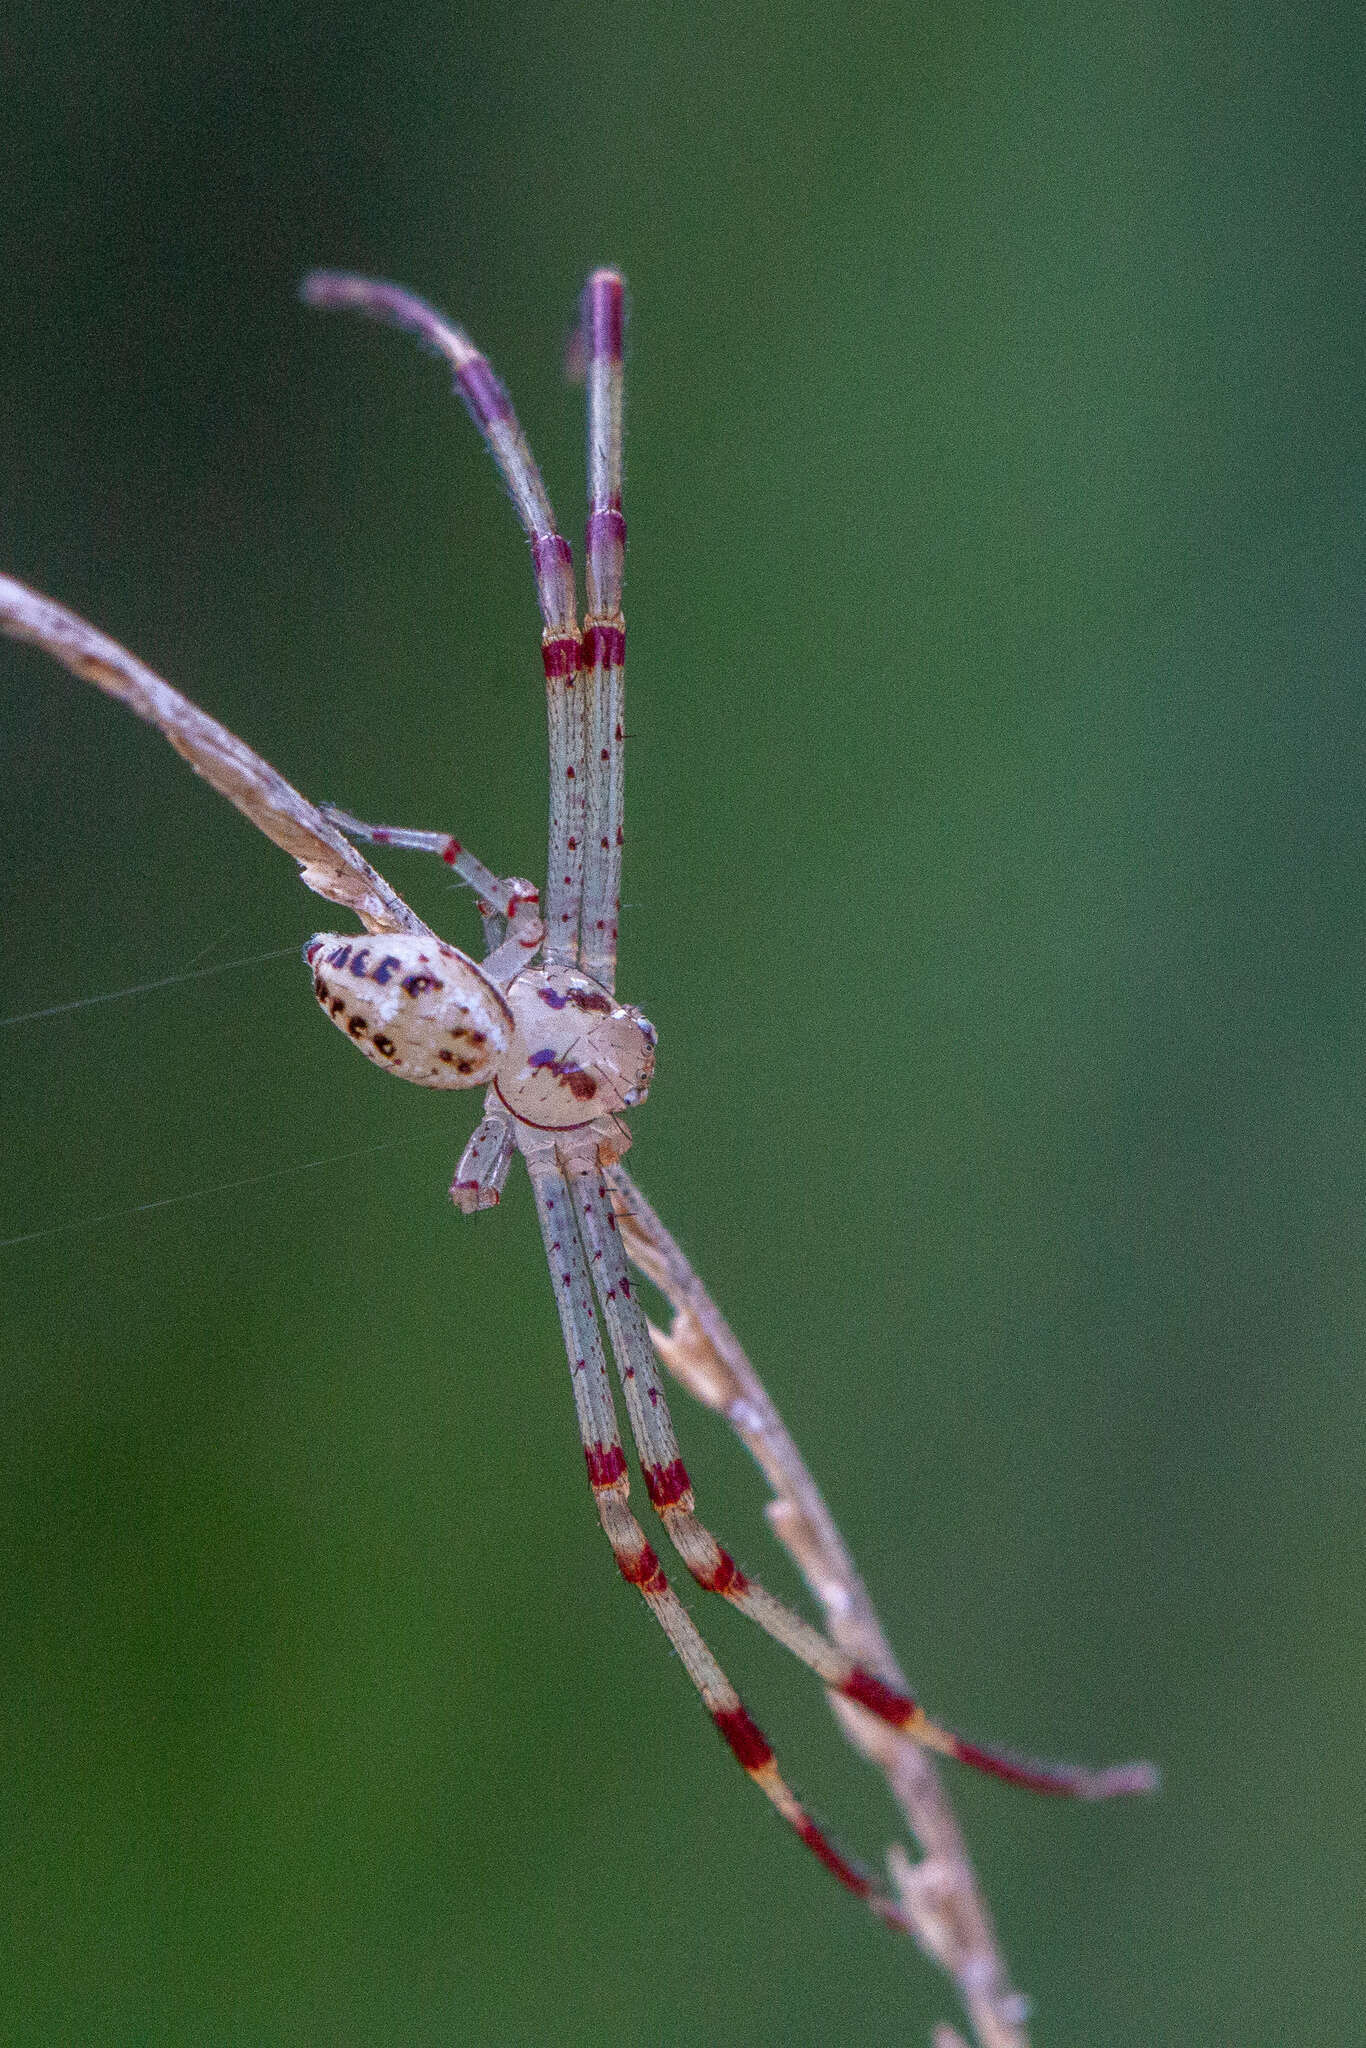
column 576, row 1052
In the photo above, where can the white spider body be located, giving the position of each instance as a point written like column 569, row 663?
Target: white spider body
column 414, row 1006
column 559, row 1049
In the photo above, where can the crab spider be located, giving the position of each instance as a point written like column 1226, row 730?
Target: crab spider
column 537, row 1023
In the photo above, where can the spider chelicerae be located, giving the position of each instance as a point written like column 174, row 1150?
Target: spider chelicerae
column 537, row 1023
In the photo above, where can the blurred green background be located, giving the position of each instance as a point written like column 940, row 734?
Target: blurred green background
column 995, row 874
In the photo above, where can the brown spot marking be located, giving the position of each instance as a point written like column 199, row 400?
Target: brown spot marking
column 356, row 1027
column 446, row 1058
column 320, row 989
column 96, row 671
column 384, row 1046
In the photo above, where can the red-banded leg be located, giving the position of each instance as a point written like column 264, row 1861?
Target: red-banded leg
column 671, row 1496
column 604, row 627
column 509, row 906
column 636, row 1561
column 491, row 410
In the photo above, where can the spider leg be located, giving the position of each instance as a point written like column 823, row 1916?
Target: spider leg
column 508, row 905
column 552, row 564
column 503, row 894
column 604, row 627
column 329, row 866
column 484, row 1163
column 671, row 1496
column 636, row 1561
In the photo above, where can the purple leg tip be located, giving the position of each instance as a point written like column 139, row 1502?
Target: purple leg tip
column 603, row 315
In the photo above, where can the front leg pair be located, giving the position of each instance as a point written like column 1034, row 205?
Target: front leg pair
column 509, row 906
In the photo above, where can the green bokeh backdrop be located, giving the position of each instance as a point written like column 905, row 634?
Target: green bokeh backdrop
column 996, row 873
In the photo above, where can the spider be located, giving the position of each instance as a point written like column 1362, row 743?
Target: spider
column 538, row 1025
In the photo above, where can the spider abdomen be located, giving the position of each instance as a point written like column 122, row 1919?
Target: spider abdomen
column 414, row 1006
column 575, row 1054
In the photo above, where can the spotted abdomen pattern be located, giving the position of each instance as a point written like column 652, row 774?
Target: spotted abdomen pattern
column 412, row 1005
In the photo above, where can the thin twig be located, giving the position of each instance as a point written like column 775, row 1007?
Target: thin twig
column 940, row 1893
